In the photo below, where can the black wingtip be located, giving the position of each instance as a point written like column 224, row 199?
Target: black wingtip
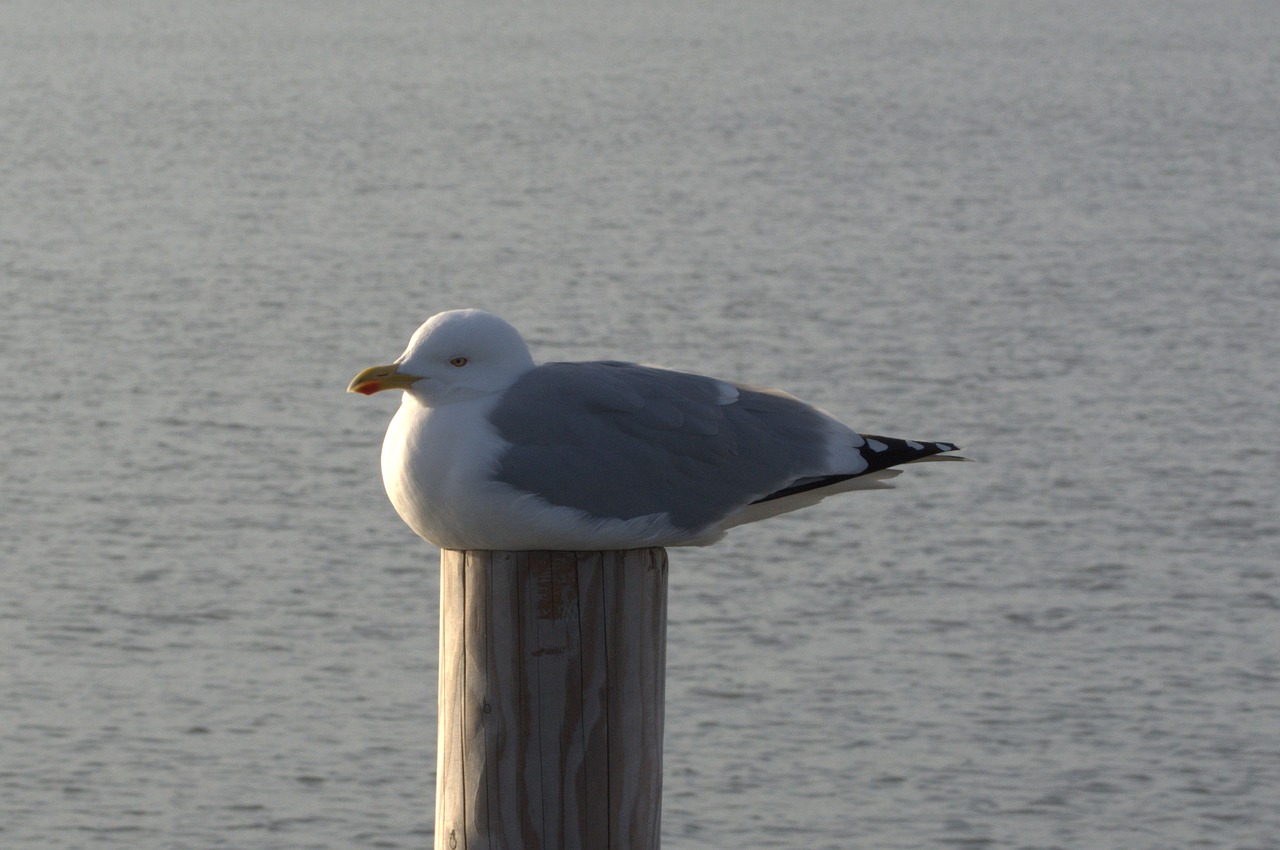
column 884, row 452
column 879, row 453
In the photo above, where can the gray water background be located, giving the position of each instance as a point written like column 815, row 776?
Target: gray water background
column 1048, row 232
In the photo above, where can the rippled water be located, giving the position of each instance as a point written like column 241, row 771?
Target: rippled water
column 1049, row 234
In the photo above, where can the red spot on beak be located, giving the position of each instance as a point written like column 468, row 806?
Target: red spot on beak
column 368, row 388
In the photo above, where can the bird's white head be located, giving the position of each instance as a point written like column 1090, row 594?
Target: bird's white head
column 454, row 356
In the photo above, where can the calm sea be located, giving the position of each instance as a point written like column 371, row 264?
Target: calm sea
column 1049, row 232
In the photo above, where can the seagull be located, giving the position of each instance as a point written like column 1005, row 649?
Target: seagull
column 489, row 450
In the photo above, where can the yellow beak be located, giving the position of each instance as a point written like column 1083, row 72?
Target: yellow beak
column 378, row 378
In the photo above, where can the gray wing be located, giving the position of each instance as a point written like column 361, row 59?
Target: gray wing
column 618, row 440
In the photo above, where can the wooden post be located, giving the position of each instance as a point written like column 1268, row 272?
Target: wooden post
column 552, row 679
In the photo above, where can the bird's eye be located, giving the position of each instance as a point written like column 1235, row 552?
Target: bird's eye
column 458, row 361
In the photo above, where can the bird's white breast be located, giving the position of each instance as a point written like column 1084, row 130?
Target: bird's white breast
column 437, row 465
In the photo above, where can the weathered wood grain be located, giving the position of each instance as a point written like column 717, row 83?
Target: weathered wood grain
column 449, row 771
column 552, row 674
